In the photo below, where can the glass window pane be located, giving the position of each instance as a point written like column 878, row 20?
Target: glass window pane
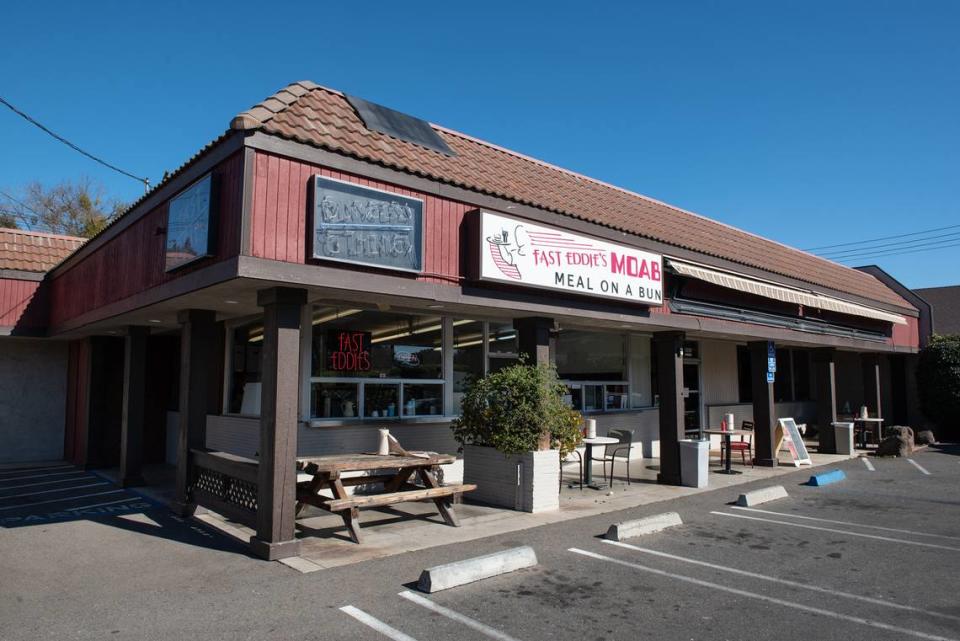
column 467, row 358
column 617, row 397
column 641, row 386
column 334, row 400
column 591, row 356
column 422, row 399
column 503, row 340
column 246, row 361
column 381, row 400
column 592, row 398
column 783, row 381
column 373, row 344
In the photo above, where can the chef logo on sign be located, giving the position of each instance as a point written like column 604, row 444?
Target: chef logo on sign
column 505, row 249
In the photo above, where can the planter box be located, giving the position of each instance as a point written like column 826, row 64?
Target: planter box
column 528, row 482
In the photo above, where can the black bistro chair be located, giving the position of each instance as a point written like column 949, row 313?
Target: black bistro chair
column 572, row 457
column 619, row 450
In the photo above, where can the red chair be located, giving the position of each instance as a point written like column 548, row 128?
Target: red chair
column 744, row 445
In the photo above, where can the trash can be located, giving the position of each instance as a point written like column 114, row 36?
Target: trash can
column 843, row 438
column 694, row 460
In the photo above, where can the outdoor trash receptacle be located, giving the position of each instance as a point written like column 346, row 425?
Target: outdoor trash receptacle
column 694, row 460
column 843, row 437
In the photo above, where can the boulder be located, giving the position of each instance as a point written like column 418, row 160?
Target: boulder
column 925, row 437
column 898, row 442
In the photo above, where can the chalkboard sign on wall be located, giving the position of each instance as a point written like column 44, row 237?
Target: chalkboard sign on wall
column 366, row 226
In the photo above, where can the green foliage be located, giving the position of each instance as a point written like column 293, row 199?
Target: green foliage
column 73, row 209
column 938, row 383
column 7, row 220
column 518, row 409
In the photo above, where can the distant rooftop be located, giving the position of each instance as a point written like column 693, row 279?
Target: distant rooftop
column 34, row 251
column 945, row 304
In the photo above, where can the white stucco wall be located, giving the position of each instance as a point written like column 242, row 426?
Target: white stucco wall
column 33, row 399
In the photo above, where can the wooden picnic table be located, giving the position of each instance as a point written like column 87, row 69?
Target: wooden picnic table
column 394, row 472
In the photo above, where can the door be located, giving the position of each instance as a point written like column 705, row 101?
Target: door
column 691, row 399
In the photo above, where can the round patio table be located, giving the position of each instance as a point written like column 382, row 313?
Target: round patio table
column 726, row 434
column 588, row 468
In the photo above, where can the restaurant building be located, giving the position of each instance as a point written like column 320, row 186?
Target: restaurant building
column 329, row 266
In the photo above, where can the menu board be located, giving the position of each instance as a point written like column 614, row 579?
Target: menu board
column 794, row 441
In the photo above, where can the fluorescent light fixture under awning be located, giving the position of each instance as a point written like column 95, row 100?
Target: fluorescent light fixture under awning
column 783, row 294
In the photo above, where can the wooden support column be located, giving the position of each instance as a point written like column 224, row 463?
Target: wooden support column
column 198, row 349
column 535, row 340
column 871, row 384
column 134, row 406
column 764, row 413
column 668, row 347
column 825, row 366
column 279, row 418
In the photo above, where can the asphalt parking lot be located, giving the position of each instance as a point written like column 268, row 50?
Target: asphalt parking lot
column 872, row 557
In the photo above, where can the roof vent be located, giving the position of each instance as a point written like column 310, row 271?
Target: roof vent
column 399, row 125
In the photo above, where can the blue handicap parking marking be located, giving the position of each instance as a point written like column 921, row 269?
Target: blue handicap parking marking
column 88, row 496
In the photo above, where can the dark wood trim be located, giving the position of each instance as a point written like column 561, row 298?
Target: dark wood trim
column 346, row 283
column 275, row 145
column 229, row 510
column 764, row 410
column 133, row 418
column 209, row 159
column 218, row 272
column 20, row 274
column 237, row 467
column 668, row 347
column 825, row 373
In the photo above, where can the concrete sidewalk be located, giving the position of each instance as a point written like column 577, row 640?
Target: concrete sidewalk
column 416, row 526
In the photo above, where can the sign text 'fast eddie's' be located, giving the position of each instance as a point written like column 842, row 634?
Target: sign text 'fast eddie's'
column 521, row 253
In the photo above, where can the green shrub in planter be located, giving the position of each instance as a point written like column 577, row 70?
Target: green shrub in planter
column 938, row 384
column 518, row 409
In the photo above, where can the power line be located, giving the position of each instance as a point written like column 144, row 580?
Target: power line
column 897, row 252
column 860, row 242
column 145, row 181
column 899, row 244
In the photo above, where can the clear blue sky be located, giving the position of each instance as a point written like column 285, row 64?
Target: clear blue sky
column 812, row 123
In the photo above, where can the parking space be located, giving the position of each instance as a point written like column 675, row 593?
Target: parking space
column 854, row 560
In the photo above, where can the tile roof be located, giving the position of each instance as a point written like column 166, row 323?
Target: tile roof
column 314, row 115
column 945, row 304
column 34, row 251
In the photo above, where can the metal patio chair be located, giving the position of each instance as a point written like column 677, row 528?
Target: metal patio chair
column 619, row 450
column 568, row 459
column 744, row 445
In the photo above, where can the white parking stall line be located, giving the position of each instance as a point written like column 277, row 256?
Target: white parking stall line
column 69, row 498
column 918, row 466
column 41, row 476
column 59, row 489
column 19, row 487
column 835, row 531
column 765, row 598
column 42, row 468
column 376, row 624
column 871, row 527
column 867, row 462
column 793, row 584
column 456, row 616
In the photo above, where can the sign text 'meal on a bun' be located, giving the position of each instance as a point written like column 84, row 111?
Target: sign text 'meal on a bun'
column 521, row 253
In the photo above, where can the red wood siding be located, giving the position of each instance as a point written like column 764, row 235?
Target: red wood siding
column 22, row 304
column 133, row 261
column 279, row 222
column 907, row 335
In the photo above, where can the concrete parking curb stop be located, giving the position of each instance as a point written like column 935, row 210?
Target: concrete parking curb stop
column 826, row 478
column 451, row 575
column 646, row 525
column 763, row 495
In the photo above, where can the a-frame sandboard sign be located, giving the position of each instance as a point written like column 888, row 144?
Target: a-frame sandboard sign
column 789, row 434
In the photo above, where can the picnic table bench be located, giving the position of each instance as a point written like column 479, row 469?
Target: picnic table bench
column 325, row 472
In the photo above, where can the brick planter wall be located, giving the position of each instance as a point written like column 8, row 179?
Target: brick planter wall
column 497, row 476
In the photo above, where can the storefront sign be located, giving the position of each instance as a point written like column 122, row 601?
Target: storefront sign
column 190, row 224
column 348, row 351
column 522, row 253
column 366, row 226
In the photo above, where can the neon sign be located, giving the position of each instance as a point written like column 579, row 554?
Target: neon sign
column 348, row 351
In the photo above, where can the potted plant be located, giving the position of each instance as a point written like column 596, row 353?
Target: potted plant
column 513, row 428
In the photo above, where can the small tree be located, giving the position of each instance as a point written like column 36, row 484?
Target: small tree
column 938, row 384
column 8, row 220
column 518, row 409
column 73, row 209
